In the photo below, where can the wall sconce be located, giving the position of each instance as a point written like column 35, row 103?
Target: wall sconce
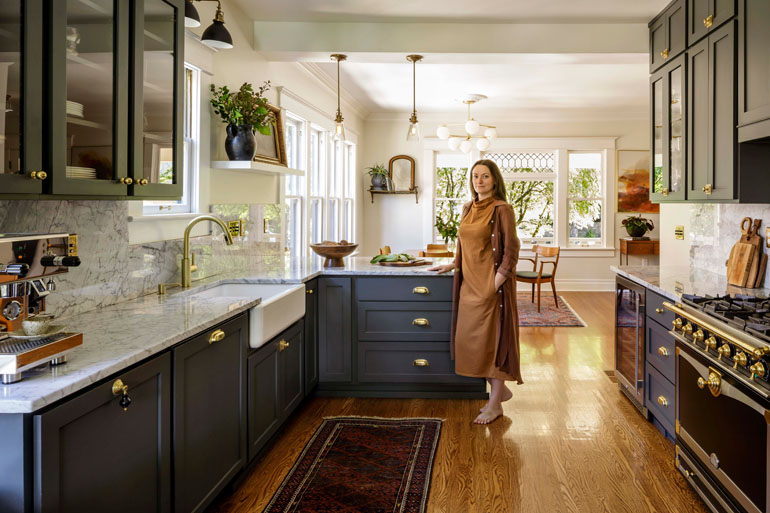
column 216, row 35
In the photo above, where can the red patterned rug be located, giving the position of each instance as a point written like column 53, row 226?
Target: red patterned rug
column 549, row 315
column 361, row 465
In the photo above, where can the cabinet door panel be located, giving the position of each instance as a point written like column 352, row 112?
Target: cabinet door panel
column 754, row 62
column 311, row 334
column 676, row 29
column 264, row 389
column 698, row 120
column 209, row 414
column 675, row 115
column 697, row 12
column 723, row 11
column 334, row 330
column 658, row 182
column 91, row 455
column 290, row 358
column 724, row 134
column 657, row 43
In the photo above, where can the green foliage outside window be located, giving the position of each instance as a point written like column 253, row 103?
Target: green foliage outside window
column 584, row 215
column 450, row 183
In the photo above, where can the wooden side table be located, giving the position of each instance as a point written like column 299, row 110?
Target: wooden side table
column 638, row 247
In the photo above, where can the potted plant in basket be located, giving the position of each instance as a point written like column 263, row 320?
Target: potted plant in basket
column 379, row 177
column 245, row 113
column 637, row 226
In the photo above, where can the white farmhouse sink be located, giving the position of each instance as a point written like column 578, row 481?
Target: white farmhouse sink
column 282, row 305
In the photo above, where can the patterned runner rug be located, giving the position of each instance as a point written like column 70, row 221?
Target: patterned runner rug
column 362, row 464
column 549, row 315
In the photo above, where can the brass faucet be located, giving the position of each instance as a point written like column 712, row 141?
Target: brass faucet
column 186, row 263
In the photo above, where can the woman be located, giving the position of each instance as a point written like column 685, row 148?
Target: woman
column 485, row 322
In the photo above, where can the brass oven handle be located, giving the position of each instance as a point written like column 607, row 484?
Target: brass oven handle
column 420, row 290
column 663, row 401
column 421, row 322
column 119, row 388
column 659, row 310
column 662, row 351
column 283, row 345
column 714, row 383
column 217, row 336
column 420, row 362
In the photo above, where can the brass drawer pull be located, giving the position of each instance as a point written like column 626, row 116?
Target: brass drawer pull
column 217, row 336
column 420, row 290
column 659, row 310
column 708, row 21
column 127, row 181
column 421, row 322
column 309, row 291
column 663, row 401
column 420, row 362
column 119, row 388
column 662, row 351
column 282, row 345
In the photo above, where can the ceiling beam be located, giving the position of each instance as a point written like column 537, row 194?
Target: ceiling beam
column 290, row 38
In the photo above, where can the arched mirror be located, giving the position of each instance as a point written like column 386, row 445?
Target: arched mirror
column 401, row 171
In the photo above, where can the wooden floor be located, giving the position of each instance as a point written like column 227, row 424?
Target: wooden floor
column 569, row 440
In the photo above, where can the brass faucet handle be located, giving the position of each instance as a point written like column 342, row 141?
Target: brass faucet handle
column 162, row 287
column 193, row 267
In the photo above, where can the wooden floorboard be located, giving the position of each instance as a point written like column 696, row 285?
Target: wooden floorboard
column 569, row 440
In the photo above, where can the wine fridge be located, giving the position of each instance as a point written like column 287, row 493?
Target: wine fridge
column 629, row 340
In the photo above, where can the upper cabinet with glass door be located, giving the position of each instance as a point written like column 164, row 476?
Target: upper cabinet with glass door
column 669, row 135
column 21, row 82
column 157, row 104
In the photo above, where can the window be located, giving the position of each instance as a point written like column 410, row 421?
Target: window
column 188, row 202
column 317, row 174
column 451, row 193
column 530, row 181
column 295, row 185
column 334, row 201
column 585, row 199
column 349, row 180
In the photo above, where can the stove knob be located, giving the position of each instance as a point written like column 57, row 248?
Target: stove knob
column 677, row 323
column 760, row 352
column 724, row 350
column 698, row 336
column 740, row 359
column 687, row 330
column 757, row 370
column 711, row 343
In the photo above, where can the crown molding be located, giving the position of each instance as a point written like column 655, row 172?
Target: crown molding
column 314, row 70
column 514, row 115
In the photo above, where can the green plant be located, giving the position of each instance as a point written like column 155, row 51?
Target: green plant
column 245, row 107
column 637, row 223
column 377, row 169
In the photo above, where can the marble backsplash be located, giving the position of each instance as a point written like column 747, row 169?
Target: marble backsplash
column 714, row 228
column 114, row 270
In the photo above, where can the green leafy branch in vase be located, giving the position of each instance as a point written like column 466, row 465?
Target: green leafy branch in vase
column 244, row 107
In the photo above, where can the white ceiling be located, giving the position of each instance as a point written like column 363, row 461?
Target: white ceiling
column 462, row 11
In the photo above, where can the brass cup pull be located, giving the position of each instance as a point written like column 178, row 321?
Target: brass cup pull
column 659, row 310
column 708, row 21
column 421, row 322
column 664, row 53
column 663, row 401
column 217, row 336
column 420, row 362
column 283, row 345
column 119, row 388
column 420, row 290
column 127, row 181
column 38, row 175
column 662, row 351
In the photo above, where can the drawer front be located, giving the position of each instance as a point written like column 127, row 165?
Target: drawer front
column 386, row 320
column 660, row 349
column 399, row 362
column 407, row 288
column 661, row 398
column 656, row 311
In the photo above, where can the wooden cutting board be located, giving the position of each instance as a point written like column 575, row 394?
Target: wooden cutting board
column 413, row 263
column 755, row 239
column 761, row 272
column 739, row 265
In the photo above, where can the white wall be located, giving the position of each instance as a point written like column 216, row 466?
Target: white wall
column 399, row 222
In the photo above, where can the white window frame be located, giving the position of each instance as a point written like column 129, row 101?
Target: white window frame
column 601, row 199
column 301, row 153
column 191, row 157
column 323, row 166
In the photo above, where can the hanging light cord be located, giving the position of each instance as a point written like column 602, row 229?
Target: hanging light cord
column 414, row 87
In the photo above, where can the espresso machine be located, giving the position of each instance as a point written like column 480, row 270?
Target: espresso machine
column 29, row 264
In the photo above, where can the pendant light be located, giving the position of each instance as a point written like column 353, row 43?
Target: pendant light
column 216, row 35
column 464, row 143
column 339, row 128
column 191, row 17
column 413, row 133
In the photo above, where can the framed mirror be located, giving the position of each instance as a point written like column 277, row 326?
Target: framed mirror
column 401, row 172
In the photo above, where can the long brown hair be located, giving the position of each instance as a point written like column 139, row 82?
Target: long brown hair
column 499, row 192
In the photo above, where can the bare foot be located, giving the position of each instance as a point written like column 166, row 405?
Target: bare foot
column 489, row 415
column 507, row 395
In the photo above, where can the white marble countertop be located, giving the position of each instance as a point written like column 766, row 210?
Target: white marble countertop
column 674, row 280
column 121, row 335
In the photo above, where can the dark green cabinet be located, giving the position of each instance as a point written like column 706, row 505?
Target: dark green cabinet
column 754, row 62
column 92, row 455
column 668, row 131
column 712, row 117
column 21, row 144
column 334, row 330
column 705, row 16
column 311, row 328
column 668, row 35
column 209, row 413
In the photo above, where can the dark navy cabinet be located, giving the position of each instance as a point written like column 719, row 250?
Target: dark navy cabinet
column 660, row 375
column 209, row 413
column 335, row 362
column 311, row 330
column 92, row 455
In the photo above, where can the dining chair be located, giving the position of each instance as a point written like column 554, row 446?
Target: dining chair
column 385, row 250
column 436, row 251
column 536, row 277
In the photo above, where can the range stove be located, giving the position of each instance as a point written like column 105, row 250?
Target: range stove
column 723, row 399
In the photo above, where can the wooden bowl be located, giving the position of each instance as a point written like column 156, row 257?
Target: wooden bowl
column 333, row 255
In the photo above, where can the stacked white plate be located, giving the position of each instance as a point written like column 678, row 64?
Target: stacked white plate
column 80, row 172
column 74, row 109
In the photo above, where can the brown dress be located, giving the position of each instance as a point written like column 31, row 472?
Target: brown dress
column 485, row 320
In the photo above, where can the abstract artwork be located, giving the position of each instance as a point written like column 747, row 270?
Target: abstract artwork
column 634, row 182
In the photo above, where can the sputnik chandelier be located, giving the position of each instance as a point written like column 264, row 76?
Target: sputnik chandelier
column 472, row 130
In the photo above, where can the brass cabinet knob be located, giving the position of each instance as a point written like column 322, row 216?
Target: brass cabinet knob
column 127, row 181
column 698, row 336
column 662, row 351
column 659, row 310
column 141, row 181
column 663, row 401
column 421, row 322
column 119, row 388
column 677, row 323
column 740, row 359
column 216, row 336
column 724, row 350
column 38, row 175
column 664, row 191
column 664, row 53
column 701, row 383
column 283, row 345
column 420, row 362
column 708, row 21
column 420, row 290
column 707, row 189
column 309, row 291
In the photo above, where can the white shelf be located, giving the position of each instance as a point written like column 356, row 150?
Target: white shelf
column 255, row 167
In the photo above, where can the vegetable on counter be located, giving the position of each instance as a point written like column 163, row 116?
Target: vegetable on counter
column 392, row 257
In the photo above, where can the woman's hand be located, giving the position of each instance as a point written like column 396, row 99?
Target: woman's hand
column 499, row 280
column 443, row 268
